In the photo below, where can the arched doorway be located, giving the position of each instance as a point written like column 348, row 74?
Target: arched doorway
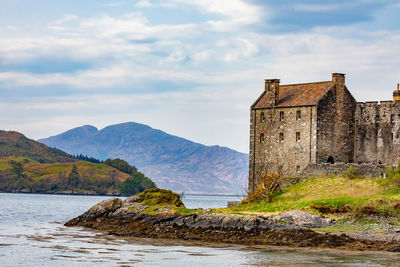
column 331, row 160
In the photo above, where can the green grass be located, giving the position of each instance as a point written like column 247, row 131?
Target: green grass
column 16, row 144
column 331, row 192
column 58, row 172
column 156, row 196
column 185, row 211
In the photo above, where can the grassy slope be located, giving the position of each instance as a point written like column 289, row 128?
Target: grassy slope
column 17, row 145
column 333, row 192
column 37, row 171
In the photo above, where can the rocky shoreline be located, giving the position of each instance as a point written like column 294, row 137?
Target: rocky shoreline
column 130, row 218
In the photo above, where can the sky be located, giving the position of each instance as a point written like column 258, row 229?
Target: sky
column 190, row 68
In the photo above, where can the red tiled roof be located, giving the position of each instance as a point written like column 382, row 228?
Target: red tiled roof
column 291, row 95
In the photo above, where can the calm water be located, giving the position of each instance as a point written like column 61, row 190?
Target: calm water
column 32, row 234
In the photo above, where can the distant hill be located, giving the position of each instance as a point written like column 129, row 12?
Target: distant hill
column 30, row 166
column 170, row 161
column 17, row 145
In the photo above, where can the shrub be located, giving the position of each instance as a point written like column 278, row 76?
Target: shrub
column 326, row 209
column 156, row 196
column 137, row 183
column 269, row 184
column 393, row 176
column 352, row 172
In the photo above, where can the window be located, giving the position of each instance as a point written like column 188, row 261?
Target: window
column 281, row 137
column 298, row 168
column 297, row 136
column 261, row 137
column 392, row 118
column 262, row 117
column 377, row 118
column 350, row 130
column 298, row 115
column 281, row 116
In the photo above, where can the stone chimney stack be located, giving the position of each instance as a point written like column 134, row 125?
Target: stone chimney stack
column 338, row 78
column 272, row 91
column 396, row 94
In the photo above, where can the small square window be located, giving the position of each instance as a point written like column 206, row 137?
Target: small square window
column 262, row 117
column 262, row 137
column 281, row 138
column 281, row 116
column 298, row 115
column 297, row 136
column 298, row 168
column 350, row 130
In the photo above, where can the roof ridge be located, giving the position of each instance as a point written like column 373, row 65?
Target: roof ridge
column 291, row 84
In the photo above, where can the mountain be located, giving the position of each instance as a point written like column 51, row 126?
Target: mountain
column 172, row 162
column 17, row 145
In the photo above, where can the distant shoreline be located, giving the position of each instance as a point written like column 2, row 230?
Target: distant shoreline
column 63, row 193
column 107, row 195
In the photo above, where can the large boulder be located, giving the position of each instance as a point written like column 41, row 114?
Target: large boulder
column 105, row 207
column 304, row 219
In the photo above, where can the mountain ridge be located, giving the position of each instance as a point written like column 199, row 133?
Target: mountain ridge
column 172, row 162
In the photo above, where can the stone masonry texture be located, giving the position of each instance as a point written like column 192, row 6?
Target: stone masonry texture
column 296, row 126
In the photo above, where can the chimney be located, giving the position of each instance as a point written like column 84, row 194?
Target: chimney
column 272, row 91
column 396, row 94
column 338, row 78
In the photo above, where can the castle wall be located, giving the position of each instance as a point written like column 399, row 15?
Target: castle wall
column 377, row 136
column 336, row 126
column 291, row 154
column 368, row 170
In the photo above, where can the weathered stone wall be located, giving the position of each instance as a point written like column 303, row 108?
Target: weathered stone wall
column 292, row 153
column 335, row 132
column 337, row 129
column 377, row 132
column 365, row 170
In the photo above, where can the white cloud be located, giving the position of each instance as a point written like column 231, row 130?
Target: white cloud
column 236, row 13
column 222, row 72
column 114, row 4
column 66, row 18
column 317, row 8
column 144, row 3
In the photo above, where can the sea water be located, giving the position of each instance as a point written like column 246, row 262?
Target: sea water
column 32, row 234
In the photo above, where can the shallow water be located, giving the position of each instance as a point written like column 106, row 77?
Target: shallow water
column 32, row 234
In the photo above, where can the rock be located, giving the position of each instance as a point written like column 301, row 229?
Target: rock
column 117, row 217
column 233, row 204
column 304, row 219
column 132, row 199
column 394, row 249
column 105, row 207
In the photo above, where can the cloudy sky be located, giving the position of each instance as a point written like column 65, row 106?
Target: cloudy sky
column 190, row 68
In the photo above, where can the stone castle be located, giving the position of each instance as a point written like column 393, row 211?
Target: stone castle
column 295, row 125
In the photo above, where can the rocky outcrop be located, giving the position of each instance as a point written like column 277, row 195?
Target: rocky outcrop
column 129, row 218
column 304, row 219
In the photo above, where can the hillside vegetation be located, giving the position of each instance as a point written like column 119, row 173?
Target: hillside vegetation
column 54, row 177
column 29, row 166
column 13, row 144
